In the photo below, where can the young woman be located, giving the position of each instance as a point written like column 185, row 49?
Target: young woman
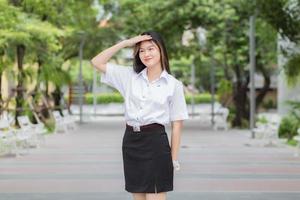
column 153, row 98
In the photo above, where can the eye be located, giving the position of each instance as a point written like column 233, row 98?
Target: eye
column 141, row 51
column 151, row 48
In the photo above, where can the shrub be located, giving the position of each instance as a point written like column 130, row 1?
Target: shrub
column 200, row 98
column 225, row 91
column 117, row 98
column 262, row 120
column 288, row 127
column 104, row 98
column 268, row 104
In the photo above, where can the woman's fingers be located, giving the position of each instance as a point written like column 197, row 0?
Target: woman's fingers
column 145, row 37
column 137, row 39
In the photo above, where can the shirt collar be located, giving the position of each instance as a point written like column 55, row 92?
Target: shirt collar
column 143, row 73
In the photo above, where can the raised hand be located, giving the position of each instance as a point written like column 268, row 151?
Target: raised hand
column 137, row 39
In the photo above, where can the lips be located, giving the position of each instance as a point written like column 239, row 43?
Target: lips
column 147, row 59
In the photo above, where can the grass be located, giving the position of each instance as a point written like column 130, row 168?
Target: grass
column 292, row 142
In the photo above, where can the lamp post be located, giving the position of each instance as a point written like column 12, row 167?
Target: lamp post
column 187, row 36
column 212, row 89
column 80, row 75
column 252, row 71
column 201, row 35
column 94, row 90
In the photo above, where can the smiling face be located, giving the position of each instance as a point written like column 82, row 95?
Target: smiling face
column 149, row 54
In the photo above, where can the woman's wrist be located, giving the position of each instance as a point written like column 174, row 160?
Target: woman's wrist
column 174, row 156
column 124, row 43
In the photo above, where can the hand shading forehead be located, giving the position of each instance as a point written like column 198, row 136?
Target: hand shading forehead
column 147, row 44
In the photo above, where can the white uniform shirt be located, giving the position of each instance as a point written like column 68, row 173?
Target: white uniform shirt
column 159, row 101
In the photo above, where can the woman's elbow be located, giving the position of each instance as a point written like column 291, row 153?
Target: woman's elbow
column 98, row 66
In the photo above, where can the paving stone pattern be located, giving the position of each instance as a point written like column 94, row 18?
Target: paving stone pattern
column 87, row 165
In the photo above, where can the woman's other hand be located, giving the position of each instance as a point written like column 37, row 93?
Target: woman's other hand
column 176, row 165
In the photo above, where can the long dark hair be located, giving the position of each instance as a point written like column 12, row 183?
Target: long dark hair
column 138, row 66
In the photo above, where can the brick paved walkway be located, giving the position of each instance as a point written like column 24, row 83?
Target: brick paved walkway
column 87, row 165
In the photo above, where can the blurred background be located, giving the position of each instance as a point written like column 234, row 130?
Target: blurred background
column 239, row 61
column 235, row 54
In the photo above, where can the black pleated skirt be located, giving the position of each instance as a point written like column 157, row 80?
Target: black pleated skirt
column 147, row 161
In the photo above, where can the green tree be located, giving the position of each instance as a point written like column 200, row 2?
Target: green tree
column 288, row 26
column 8, row 19
column 227, row 25
column 78, row 21
column 47, row 34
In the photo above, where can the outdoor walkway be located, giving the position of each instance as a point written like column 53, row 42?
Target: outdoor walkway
column 87, row 165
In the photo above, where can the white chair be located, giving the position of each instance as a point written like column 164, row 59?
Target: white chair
column 60, row 122
column 70, row 120
column 267, row 128
column 8, row 116
column 270, row 127
column 8, row 142
column 38, row 130
column 221, row 119
column 260, row 130
column 14, row 138
column 27, row 133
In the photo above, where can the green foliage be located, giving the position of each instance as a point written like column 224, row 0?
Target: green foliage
column 269, row 104
column 180, row 68
column 50, row 125
column 104, row 98
column 117, row 98
column 227, row 47
column 262, row 120
column 292, row 142
column 87, row 71
column 51, row 31
column 288, row 127
column 288, row 26
column 295, row 109
column 200, row 98
column 224, row 91
column 292, row 69
column 290, row 124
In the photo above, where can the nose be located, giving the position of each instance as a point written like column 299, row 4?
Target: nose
column 147, row 53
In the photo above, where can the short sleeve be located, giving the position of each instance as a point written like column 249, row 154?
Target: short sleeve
column 178, row 107
column 116, row 76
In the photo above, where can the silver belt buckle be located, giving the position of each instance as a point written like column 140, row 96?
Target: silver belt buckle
column 136, row 128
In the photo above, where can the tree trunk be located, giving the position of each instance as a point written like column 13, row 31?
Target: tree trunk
column 240, row 102
column 20, row 89
column 57, row 94
column 260, row 97
column 47, row 89
column 37, row 86
column 240, row 98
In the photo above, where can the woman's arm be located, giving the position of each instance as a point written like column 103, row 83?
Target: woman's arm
column 102, row 58
column 175, row 138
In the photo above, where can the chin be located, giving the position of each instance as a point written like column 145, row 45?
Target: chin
column 150, row 64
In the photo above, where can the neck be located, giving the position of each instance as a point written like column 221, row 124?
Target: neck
column 153, row 72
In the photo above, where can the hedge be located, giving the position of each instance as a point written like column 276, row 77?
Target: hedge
column 117, row 98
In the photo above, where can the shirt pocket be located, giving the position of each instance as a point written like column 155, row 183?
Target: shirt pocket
column 160, row 94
